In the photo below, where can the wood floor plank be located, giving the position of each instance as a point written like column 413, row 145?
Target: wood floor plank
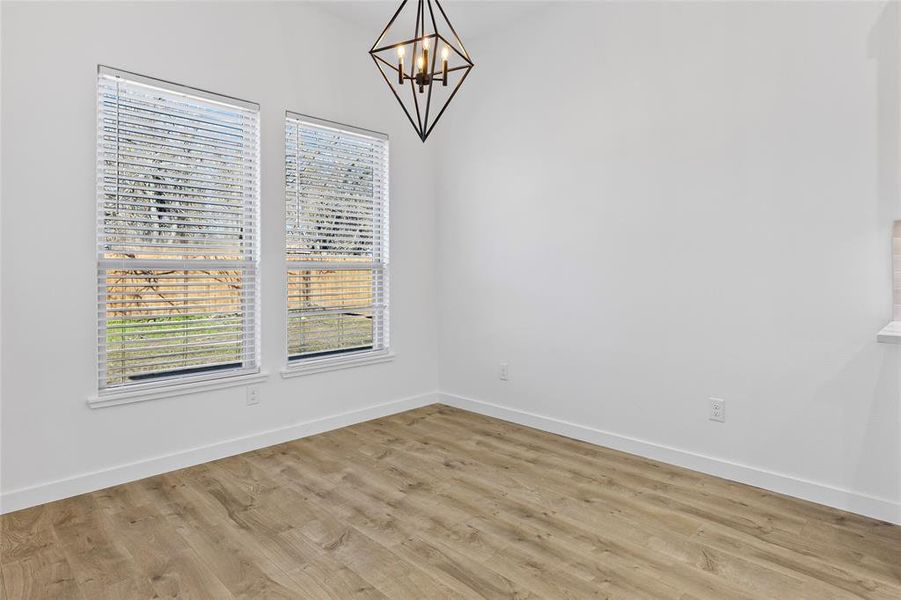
column 810, row 567
column 45, row 573
column 716, row 517
column 441, row 503
column 785, row 544
column 726, row 489
column 223, row 551
column 101, row 566
column 25, row 533
column 456, row 569
column 163, row 556
column 536, row 513
column 375, row 563
column 473, row 510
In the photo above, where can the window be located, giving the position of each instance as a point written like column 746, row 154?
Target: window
column 896, row 261
column 177, row 264
column 336, row 183
column 892, row 332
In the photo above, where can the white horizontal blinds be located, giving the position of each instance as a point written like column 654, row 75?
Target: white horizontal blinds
column 337, row 239
column 178, row 203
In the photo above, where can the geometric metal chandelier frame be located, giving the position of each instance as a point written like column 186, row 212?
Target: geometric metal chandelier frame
column 425, row 88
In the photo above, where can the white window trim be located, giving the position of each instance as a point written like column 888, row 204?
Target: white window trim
column 891, row 334
column 189, row 384
column 173, row 389
column 314, row 365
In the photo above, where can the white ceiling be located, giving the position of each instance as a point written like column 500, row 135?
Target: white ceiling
column 471, row 18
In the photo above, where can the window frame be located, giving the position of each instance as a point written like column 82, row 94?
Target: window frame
column 381, row 350
column 891, row 333
column 896, row 271
column 172, row 382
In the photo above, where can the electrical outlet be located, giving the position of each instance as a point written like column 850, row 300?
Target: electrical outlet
column 503, row 371
column 718, row 410
column 253, row 395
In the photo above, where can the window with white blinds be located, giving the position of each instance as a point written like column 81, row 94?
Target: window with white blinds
column 337, row 239
column 178, row 203
column 896, row 261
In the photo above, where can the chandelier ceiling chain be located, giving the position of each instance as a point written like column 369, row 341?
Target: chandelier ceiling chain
column 422, row 85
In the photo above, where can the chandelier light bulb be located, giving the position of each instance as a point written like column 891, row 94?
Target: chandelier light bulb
column 400, row 65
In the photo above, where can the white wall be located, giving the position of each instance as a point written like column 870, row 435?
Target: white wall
column 646, row 204
column 283, row 56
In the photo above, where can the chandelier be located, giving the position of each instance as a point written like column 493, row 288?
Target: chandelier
column 425, row 70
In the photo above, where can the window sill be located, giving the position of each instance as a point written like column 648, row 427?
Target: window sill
column 175, row 389
column 891, row 334
column 321, row 365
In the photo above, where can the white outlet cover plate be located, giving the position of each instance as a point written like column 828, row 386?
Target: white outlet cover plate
column 253, row 396
column 719, row 414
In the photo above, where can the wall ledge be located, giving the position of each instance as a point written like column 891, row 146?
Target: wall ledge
column 128, row 396
column 891, row 334
column 336, row 363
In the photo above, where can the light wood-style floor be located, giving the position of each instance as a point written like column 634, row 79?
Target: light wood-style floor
column 441, row 503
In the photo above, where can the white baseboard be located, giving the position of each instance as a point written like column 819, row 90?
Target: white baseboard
column 877, row 508
column 97, row 480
